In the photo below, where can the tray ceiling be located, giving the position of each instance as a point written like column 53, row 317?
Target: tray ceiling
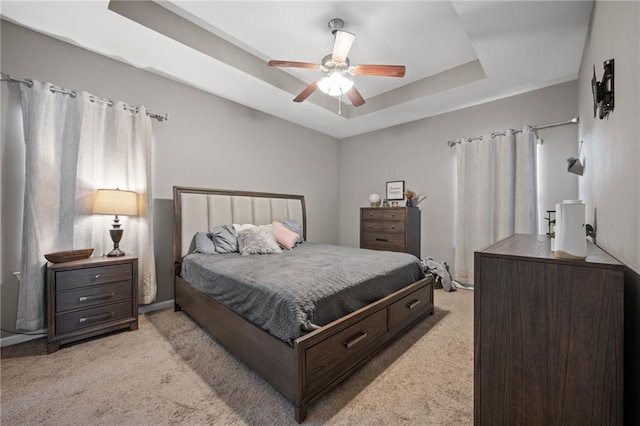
column 457, row 54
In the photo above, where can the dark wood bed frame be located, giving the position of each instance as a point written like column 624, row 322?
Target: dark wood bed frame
column 317, row 361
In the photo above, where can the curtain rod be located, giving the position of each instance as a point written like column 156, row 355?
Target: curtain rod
column 73, row 94
column 540, row 127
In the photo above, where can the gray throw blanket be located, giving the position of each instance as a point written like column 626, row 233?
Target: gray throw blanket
column 302, row 289
column 441, row 270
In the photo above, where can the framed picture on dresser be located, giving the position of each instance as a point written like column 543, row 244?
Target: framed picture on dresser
column 395, row 190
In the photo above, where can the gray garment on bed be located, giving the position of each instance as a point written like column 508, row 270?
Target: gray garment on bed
column 300, row 290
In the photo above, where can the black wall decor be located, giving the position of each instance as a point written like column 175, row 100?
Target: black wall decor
column 603, row 91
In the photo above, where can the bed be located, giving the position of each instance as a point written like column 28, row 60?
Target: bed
column 306, row 366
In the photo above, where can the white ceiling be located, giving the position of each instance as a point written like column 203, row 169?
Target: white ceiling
column 457, row 54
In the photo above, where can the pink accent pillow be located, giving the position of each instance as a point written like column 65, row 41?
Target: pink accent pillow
column 285, row 237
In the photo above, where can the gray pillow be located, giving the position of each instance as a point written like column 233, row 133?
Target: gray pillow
column 258, row 240
column 293, row 225
column 204, row 244
column 224, row 239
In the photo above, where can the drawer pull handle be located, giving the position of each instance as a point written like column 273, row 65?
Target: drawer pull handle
column 413, row 304
column 349, row 344
column 96, row 276
column 96, row 297
column 393, row 227
column 370, row 226
column 382, row 239
column 370, row 214
column 99, row 317
column 393, row 215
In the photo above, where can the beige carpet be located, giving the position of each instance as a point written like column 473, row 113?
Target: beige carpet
column 171, row 372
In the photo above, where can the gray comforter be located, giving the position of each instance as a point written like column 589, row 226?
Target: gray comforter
column 300, row 290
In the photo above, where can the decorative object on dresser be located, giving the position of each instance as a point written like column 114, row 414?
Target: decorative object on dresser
column 413, row 199
column 115, row 202
column 374, row 200
column 89, row 297
column 548, row 335
column 392, row 229
column 395, row 190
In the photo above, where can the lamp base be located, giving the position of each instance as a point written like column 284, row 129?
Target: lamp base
column 116, row 252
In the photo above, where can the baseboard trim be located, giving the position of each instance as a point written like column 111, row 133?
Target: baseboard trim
column 21, row 338
column 155, row 306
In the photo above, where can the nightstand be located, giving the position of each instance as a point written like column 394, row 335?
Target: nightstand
column 89, row 297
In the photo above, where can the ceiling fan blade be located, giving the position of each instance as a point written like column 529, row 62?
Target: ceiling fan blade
column 355, row 97
column 293, row 64
column 342, row 46
column 379, row 70
column 306, row 92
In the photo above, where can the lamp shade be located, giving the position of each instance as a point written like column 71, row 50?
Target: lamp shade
column 115, row 201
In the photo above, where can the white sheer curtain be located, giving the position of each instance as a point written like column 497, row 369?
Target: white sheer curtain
column 496, row 194
column 73, row 147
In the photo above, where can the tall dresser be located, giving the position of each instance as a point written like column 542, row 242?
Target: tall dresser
column 390, row 228
column 548, row 336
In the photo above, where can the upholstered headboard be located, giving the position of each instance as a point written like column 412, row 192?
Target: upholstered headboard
column 199, row 209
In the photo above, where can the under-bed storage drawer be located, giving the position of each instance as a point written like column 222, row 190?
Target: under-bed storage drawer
column 333, row 356
column 405, row 310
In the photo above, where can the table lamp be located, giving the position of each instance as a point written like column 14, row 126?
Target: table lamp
column 116, row 202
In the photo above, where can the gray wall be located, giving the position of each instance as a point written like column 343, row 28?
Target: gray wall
column 611, row 182
column 207, row 142
column 418, row 154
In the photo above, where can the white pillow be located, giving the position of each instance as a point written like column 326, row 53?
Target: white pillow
column 239, row 227
column 257, row 240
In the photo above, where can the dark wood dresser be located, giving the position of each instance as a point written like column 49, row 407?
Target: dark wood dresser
column 390, row 228
column 548, row 336
column 89, row 297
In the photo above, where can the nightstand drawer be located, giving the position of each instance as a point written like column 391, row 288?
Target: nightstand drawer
column 95, row 295
column 76, row 320
column 75, row 278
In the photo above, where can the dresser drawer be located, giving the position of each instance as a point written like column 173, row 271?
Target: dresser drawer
column 75, row 278
column 371, row 214
column 410, row 307
column 393, row 227
column 94, row 295
column 333, row 356
column 380, row 241
column 371, row 226
column 76, row 320
column 393, row 214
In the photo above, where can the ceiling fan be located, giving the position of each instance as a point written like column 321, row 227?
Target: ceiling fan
column 338, row 70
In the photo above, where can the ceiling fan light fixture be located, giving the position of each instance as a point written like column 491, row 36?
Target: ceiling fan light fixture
column 335, row 84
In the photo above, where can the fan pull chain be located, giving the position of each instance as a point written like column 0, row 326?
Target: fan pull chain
column 339, row 104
